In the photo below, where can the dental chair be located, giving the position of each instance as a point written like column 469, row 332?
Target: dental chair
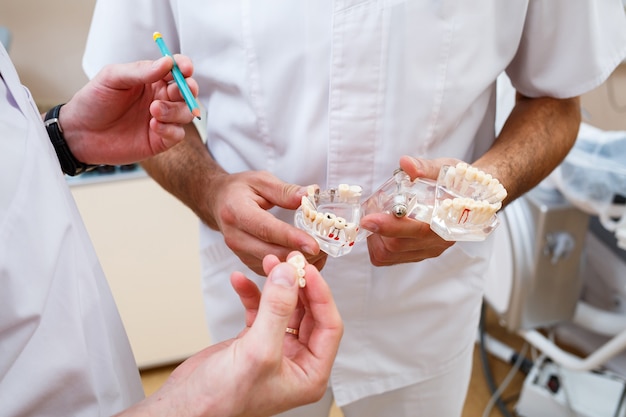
column 558, row 278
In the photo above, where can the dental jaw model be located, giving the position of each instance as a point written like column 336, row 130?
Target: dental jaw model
column 332, row 217
column 460, row 206
column 466, row 202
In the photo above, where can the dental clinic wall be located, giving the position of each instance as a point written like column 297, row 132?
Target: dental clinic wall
column 49, row 37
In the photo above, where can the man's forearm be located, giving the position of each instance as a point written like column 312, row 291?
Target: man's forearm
column 186, row 171
column 534, row 140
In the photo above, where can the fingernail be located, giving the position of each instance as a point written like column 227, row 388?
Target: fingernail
column 283, row 275
column 418, row 164
column 372, row 227
column 302, row 191
column 157, row 63
column 308, row 250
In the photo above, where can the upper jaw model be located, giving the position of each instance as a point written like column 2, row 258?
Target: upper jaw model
column 460, row 206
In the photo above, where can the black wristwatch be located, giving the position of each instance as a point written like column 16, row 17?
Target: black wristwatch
column 69, row 164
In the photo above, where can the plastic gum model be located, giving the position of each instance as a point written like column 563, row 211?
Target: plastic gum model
column 460, row 206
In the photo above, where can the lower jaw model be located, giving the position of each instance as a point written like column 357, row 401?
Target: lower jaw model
column 332, row 217
column 460, row 206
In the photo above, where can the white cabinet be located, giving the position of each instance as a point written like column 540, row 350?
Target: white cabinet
column 147, row 242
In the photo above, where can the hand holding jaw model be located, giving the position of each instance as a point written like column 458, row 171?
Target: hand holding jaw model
column 460, row 206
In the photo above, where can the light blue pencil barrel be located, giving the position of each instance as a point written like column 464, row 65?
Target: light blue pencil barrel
column 178, row 77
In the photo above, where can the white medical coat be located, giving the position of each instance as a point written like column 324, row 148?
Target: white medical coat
column 333, row 92
column 63, row 349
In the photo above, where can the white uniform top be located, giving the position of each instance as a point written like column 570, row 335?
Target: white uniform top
column 63, row 350
column 333, row 92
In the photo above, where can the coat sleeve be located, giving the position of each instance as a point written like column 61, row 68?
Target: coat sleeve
column 568, row 47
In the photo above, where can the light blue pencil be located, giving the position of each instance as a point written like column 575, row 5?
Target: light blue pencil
column 178, row 77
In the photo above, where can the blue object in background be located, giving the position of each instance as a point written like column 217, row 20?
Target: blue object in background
column 5, row 37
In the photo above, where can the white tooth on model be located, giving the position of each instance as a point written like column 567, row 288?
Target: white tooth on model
column 344, row 192
column 327, row 224
column 486, row 179
column 461, row 169
column 466, row 210
column 356, row 190
column 328, row 221
column 479, row 177
column 467, row 179
column 474, row 184
column 471, row 172
column 318, row 220
column 336, row 228
column 450, row 178
column 308, row 210
column 500, row 194
column 350, row 231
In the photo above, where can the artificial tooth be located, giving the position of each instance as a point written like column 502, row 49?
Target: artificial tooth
column 470, row 174
column 328, row 221
column 299, row 263
column 356, row 190
column 449, row 180
column 458, row 204
column 350, row 232
column 318, row 219
column 461, row 167
column 344, row 192
column 308, row 210
column 480, row 177
column 340, row 223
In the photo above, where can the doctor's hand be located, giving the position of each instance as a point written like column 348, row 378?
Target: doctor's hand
column 402, row 240
column 237, row 206
column 128, row 112
column 264, row 370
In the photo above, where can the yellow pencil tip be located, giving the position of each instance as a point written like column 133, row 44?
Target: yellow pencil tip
column 196, row 112
column 156, row 35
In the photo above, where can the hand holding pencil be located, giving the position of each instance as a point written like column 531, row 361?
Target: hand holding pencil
column 178, row 77
column 128, row 112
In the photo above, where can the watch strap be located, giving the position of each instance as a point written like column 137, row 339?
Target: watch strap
column 69, row 164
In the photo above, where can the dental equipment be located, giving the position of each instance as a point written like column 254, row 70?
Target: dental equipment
column 541, row 275
column 460, row 206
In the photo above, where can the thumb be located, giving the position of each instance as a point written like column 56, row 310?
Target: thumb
column 278, row 192
column 417, row 168
column 291, row 195
column 158, row 68
column 278, row 303
column 148, row 72
column 163, row 65
column 132, row 74
column 424, row 168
